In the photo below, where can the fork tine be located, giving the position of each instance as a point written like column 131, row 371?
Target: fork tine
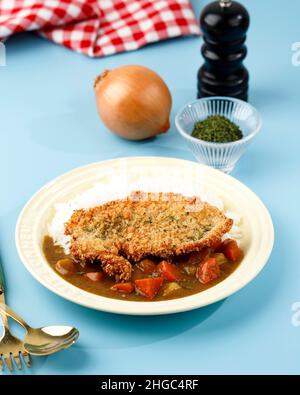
column 17, row 360
column 9, row 363
column 26, row 358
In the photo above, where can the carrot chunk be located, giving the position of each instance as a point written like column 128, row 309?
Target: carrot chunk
column 231, row 250
column 148, row 287
column 168, row 271
column 217, row 244
column 94, row 276
column 126, row 288
column 208, row 270
column 198, row 256
column 146, row 265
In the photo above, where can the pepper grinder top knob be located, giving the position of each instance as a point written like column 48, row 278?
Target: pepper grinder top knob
column 225, row 20
column 225, row 3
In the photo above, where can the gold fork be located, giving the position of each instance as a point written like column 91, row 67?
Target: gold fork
column 11, row 348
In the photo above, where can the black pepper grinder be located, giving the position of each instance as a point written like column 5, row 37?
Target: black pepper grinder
column 224, row 25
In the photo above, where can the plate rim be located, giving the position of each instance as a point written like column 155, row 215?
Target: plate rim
column 159, row 307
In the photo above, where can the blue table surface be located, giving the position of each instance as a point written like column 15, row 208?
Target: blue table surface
column 49, row 125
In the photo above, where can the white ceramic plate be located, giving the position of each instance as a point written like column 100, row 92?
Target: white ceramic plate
column 154, row 174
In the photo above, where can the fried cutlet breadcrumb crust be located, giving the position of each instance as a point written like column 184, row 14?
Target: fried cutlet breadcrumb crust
column 123, row 231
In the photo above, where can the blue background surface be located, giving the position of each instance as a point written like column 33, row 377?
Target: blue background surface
column 48, row 125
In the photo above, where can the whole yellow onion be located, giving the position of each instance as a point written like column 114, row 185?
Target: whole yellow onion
column 133, row 102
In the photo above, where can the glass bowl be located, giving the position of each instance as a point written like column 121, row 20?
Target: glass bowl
column 222, row 156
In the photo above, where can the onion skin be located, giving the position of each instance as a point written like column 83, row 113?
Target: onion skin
column 133, row 102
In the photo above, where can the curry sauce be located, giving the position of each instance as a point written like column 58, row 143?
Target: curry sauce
column 187, row 266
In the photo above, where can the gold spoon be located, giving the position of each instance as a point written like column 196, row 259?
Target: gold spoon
column 46, row 340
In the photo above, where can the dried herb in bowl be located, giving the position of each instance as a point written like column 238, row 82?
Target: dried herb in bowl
column 217, row 129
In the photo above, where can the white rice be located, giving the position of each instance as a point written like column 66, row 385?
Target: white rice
column 121, row 188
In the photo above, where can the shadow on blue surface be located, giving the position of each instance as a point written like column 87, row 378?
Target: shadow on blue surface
column 19, row 43
column 138, row 330
column 153, row 329
column 265, row 99
column 86, row 134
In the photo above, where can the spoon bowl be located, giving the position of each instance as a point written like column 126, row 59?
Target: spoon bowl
column 45, row 340
column 50, row 339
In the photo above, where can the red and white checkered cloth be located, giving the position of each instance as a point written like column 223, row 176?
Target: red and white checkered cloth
column 99, row 27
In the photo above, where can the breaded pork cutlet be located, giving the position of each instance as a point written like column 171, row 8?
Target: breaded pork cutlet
column 124, row 231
